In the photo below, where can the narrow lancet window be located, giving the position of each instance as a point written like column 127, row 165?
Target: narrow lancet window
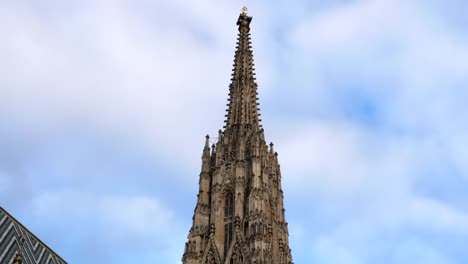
column 229, row 206
column 228, row 221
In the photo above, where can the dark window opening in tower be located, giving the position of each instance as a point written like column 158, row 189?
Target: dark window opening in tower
column 246, row 228
column 229, row 206
column 228, row 218
column 227, row 238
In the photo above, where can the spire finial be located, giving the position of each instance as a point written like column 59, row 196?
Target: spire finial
column 244, row 11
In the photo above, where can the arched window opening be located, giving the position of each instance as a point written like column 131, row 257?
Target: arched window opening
column 229, row 206
column 228, row 221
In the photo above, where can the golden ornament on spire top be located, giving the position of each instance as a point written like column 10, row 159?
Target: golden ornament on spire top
column 244, row 11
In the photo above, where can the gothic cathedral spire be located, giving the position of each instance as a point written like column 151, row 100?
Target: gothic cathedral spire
column 239, row 217
column 243, row 101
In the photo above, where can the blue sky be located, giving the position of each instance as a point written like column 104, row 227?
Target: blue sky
column 105, row 104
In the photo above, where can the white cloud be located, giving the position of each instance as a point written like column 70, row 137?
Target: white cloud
column 417, row 251
column 329, row 253
column 411, row 65
column 95, row 225
column 106, row 65
column 437, row 216
column 365, row 186
column 340, row 159
column 120, row 216
column 392, row 231
column 402, row 55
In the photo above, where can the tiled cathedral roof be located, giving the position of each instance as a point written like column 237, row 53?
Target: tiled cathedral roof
column 18, row 245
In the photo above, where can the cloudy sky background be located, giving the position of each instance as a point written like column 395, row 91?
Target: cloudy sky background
column 104, row 106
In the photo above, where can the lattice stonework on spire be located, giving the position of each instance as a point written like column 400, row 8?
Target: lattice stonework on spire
column 243, row 101
column 239, row 217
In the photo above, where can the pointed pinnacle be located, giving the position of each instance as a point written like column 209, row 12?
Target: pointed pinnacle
column 207, row 142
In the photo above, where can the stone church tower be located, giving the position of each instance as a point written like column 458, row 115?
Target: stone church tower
column 239, row 217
